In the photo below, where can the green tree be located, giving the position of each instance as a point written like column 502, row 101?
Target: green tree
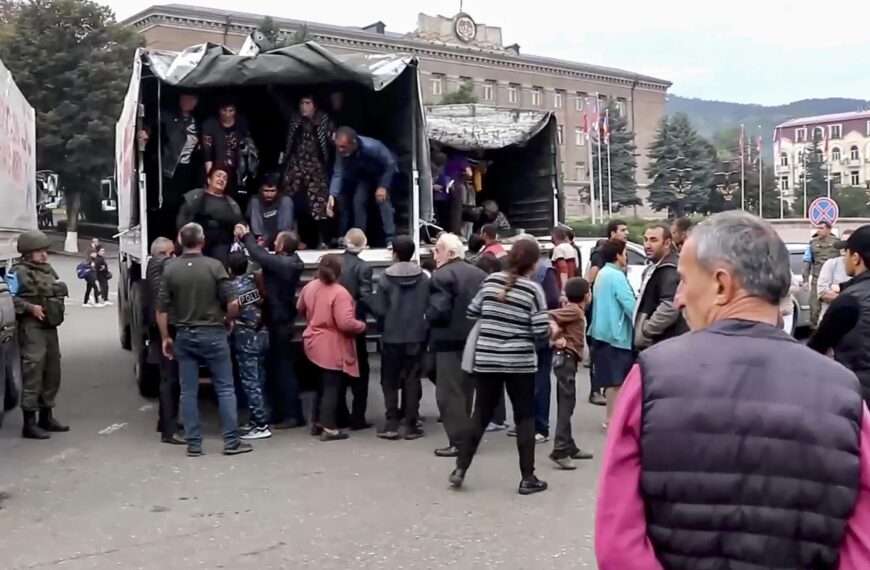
column 72, row 61
column 623, row 161
column 815, row 171
column 681, row 168
column 853, row 202
column 464, row 94
column 727, row 142
column 271, row 31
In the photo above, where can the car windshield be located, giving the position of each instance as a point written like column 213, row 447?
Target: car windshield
column 797, row 262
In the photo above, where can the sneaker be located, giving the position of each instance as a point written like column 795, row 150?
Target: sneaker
column 565, row 463
column 410, row 434
column 531, row 486
column 101, row 304
column 582, row 454
column 238, row 449
column 333, row 435
column 493, row 426
column 108, row 304
column 457, row 477
column 88, row 305
column 597, row 399
column 512, row 432
column 194, row 452
column 258, row 433
column 390, row 435
column 541, row 438
column 247, row 428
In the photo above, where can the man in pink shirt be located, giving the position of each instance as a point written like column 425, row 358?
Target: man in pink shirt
column 734, row 447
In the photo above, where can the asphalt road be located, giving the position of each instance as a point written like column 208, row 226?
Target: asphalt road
column 108, row 494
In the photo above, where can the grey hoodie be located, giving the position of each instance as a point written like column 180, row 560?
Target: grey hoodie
column 400, row 304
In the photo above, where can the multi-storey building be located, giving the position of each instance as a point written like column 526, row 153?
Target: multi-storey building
column 453, row 51
column 847, row 138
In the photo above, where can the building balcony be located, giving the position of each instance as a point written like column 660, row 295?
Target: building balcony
column 783, row 169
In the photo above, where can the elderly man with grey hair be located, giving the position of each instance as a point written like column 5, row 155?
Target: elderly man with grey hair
column 734, row 445
column 162, row 252
column 454, row 284
column 356, row 277
column 195, row 290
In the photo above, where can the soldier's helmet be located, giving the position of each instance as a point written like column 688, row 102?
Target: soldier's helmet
column 33, row 240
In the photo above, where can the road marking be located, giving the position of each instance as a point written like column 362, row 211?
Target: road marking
column 112, row 428
column 146, row 407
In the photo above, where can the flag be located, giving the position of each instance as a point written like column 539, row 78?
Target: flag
column 741, row 142
column 596, row 121
column 586, row 119
column 605, row 128
column 758, row 148
column 825, row 135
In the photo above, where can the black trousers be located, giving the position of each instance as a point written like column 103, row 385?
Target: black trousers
column 331, row 388
column 170, row 389
column 401, row 366
column 454, row 393
column 359, row 389
column 521, row 391
column 92, row 286
column 104, row 288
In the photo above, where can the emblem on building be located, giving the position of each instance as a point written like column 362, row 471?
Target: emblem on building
column 465, row 28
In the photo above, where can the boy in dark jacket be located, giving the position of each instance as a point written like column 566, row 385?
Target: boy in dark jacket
column 400, row 304
column 569, row 326
column 103, row 276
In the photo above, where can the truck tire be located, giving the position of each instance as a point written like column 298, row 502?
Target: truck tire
column 124, row 333
column 147, row 374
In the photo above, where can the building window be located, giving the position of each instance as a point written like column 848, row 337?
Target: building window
column 579, row 171
column 835, row 154
column 621, row 105
column 836, row 179
column 560, row 134
column 783, row 159
column 783, row 183
column 854, row 154
column 512, row 93
column 800, row 157
column 580, row 101
column 800, row 135
column 536, row 96
column 557, row 100
column 868, row 128
column 562, row 169
column 579, row 136
column 489, row 91
column 856, row 178
column 835, row 131
column 800, row 180
column 818, row 133
column 437, row 85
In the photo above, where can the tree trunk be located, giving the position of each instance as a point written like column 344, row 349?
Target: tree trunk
column 73, row 207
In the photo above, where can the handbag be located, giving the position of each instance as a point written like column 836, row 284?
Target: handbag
column 470, row 346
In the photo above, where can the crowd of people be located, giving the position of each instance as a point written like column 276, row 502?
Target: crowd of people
column 94, row 271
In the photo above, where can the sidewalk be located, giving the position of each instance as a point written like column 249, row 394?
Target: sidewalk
column 58, row 239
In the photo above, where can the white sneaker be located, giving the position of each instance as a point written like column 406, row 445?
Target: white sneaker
column 541, row 438
column 108, row 304
column 88, row 305
column 101, row 304
column 258, row 433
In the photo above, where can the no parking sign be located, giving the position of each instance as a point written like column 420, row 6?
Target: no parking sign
column 824, row 210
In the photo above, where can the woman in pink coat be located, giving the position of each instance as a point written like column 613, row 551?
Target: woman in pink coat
column 329, row 341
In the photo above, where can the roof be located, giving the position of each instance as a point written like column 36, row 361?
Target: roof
column 399, row 40
column 833, row 118
column 483, row 127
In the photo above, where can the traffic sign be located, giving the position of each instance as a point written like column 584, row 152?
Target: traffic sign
column 824, row 210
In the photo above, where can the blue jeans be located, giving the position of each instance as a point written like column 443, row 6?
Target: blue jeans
column 543, row 386
column 206, row 346
column 251, row 348
column 358, row 202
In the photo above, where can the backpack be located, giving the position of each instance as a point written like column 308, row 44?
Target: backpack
column 83, row 270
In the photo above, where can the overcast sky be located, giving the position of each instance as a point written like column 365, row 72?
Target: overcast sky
column 748, row 51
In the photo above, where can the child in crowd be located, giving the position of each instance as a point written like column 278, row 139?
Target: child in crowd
column 568, row 324
column 250, row 339
column 103, row 275
column 87, row 271
column 564, row 256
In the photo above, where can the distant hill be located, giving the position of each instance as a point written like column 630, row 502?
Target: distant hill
column 712, row 117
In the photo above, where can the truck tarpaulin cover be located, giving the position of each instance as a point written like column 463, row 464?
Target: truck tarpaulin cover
column 209, row 65
column 17, row 157
column 481, row 127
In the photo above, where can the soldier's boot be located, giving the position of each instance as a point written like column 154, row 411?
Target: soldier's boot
column 48, row 423
column 31, row 429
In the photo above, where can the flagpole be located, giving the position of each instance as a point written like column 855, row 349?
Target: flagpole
column 588, row 136
column 598, row 143
column 760, row 182
column 806, row 206
column 777, row 181
column 742, row 170
column 609, row 184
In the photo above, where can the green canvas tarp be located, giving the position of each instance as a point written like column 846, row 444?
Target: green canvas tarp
column 210, row 65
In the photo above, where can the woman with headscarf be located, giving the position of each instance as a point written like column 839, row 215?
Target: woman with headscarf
column 227, row 142
column 307, row 154
column 215, row 211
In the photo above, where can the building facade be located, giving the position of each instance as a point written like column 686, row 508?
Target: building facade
column 846, row 136
column 453, row 51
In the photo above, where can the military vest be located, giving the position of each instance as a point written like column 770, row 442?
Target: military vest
column 750, row 450
column 246, row 292
column 39, row 284
column 823, row 249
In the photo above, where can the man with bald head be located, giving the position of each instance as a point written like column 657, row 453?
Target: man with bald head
column 734, row 446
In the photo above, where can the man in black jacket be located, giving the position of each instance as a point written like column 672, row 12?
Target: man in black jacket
column 454, row 284
column 281, row 274
column 656, row 318
column 356, row 277
column 400, row 305
column 162, row 252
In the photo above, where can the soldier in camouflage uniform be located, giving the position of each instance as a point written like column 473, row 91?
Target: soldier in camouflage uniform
column 820, row 249
column 250, row 339
column 39, row 303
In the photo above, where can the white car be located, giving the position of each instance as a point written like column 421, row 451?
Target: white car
column 802, row 298
column 637, row 260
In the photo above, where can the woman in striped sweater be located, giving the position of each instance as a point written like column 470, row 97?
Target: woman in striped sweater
column 513, row 314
